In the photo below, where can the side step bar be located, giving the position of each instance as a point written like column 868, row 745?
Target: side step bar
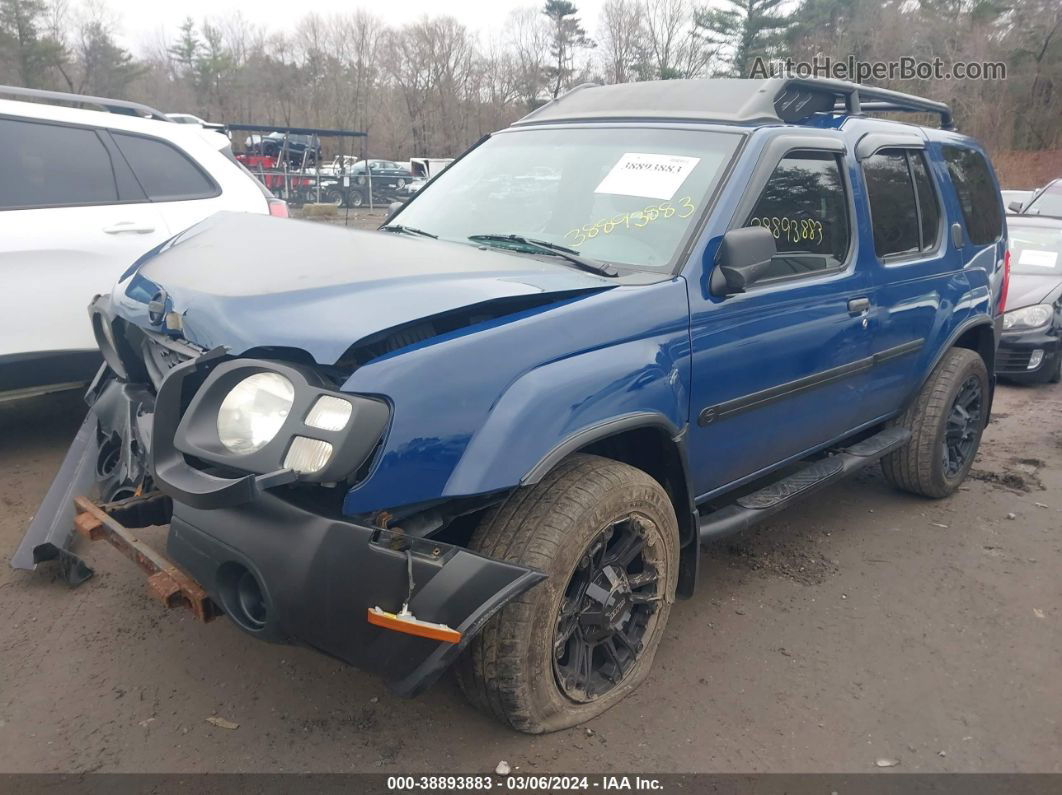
column 752, row 508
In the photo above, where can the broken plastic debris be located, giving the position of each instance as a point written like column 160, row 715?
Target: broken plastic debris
column 503, row 768
column 884, row 762
column 221, row 723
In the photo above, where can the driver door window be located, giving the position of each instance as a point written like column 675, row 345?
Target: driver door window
column 805, row 207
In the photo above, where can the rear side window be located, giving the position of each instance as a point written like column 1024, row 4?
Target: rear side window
column 49, row 165
column 166, row 173
column 904, row 211
column 978, row 197
column 928, row 206
column 805, row 207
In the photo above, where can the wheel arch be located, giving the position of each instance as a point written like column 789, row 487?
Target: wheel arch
column 649, row 442
column 979, row 335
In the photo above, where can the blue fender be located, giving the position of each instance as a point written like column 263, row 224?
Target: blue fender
column 476, row 411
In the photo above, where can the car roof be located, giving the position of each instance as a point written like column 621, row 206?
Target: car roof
column 734, row 101
column 113, row 121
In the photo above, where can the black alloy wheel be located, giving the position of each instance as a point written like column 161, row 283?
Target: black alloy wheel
column 607, row 604
column 963, row 428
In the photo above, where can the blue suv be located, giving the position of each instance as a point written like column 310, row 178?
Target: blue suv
column 495, row 433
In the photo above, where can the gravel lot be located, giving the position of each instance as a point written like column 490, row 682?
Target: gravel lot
column 864, row 624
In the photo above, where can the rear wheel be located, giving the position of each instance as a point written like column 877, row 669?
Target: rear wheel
column 946, row 421
column 605, row 534
column 356, row 198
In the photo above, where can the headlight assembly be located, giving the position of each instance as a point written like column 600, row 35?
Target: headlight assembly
column 1028, row 317
column 266, row 417
column 254, row 411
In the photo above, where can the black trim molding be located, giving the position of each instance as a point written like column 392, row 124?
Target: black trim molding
column 790, row 388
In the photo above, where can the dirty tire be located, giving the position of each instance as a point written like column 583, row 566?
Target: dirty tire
column 508, row 669
column 918, row 467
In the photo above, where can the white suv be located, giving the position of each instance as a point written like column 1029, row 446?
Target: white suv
column 84, row 194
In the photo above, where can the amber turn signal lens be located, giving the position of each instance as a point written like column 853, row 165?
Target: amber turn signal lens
column 411, row 625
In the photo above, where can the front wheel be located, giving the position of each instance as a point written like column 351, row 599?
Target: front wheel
column 605, row 533
column 946, row 421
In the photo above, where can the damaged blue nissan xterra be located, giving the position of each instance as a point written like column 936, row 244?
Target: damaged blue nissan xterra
column 495, row 433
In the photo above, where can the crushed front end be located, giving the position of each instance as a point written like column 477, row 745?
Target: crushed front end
column 255, row 517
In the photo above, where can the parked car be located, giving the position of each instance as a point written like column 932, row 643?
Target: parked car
column 84, row 194
column 1029, row 349
column 495, row 433
column 1015, row 200
column 1047, row 201
column 300, row 149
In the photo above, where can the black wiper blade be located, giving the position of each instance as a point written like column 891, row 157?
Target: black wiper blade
column 409, row 230
column 555, row 249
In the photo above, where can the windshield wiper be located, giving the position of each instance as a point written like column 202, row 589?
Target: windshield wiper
column 409, row 230
column 553, row 249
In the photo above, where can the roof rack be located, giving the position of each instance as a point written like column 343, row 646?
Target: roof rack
column 788, row 100
column 855, row 99
column 120, row 106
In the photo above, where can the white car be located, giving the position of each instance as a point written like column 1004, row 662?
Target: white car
column 84, row 194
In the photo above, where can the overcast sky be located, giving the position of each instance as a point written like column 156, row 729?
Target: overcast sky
column 142, row 21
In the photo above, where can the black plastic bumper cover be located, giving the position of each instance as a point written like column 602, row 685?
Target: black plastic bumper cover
column 320, row 575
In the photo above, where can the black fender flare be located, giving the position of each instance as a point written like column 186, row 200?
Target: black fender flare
column 689, row 551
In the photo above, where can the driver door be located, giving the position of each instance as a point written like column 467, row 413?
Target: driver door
column 779, row 370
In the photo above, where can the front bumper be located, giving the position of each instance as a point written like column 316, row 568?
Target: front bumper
column 314, row 576
column 1016, row 351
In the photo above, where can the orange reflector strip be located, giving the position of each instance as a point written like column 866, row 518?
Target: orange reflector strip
column 411, row 625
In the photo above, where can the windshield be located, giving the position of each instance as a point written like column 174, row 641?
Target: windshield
column 1048, row 203
column 622, row 195
column 1035, row 249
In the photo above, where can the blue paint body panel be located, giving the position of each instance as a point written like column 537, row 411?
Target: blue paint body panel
column 474, row 410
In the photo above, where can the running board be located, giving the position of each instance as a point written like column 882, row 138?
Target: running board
column 772, row 498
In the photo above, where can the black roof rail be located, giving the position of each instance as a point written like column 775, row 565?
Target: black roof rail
column 120, row 106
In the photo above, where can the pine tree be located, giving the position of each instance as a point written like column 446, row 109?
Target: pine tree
column 747, row 29
column 566, row 36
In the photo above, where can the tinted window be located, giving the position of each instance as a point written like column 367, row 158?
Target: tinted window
column 978, row 197
column 928, row 206
column 804, row 207
column 165, row 173
column 892, row 203
column 48, row 165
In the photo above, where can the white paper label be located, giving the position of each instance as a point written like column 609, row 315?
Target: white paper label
column 1038, row 259
column 654, row 176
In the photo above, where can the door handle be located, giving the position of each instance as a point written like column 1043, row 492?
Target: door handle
column 857, row 306
column 130, row 227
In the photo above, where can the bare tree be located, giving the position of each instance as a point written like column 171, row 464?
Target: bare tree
column 623, row 38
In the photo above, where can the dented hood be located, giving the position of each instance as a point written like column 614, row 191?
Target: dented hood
column 249, row 281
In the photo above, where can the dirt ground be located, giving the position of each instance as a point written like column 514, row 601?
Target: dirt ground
column 863, row 625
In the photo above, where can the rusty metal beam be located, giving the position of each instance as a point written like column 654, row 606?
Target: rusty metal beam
column 166, row 583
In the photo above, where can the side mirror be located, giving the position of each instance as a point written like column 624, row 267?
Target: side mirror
column 392, row 208
column 744, row 256
column 1015, row 206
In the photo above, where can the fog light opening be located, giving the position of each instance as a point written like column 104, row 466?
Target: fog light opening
column 1035, row 359
column 252, row 601
column 242, row 597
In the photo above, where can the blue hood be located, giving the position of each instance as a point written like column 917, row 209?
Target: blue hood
column 250, row 281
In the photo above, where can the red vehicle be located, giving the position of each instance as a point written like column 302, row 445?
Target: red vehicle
column 265, row 168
